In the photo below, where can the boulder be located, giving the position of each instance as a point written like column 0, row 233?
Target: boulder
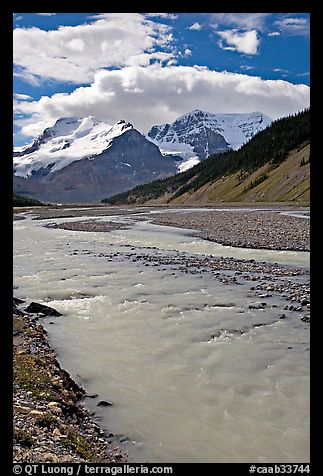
column 104, row 403
column 257, row 305
column 35, row 307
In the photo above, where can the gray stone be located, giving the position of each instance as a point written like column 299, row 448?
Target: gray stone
column 104, row 403
column 35, row 307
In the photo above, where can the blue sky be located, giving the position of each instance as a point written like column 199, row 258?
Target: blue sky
column 150, row 68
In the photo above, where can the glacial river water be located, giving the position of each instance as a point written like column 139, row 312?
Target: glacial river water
column 141, row 337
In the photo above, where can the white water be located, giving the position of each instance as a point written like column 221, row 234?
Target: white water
column 141, row 337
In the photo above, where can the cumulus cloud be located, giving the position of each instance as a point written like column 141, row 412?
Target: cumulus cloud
column 187, row 52
column 46, row 14
column 274, row 33
column 155, row 95
column 75, row 53
column 196, row 26
column 243, row 42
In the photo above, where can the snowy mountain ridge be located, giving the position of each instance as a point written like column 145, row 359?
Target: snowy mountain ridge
column 197, row 134
column 68, row 140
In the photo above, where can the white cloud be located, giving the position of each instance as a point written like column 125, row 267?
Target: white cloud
column 46, row 14
column 243, row 42
column 27, row 77
column 155, row 94
column 168, row 16
column 22, row 97
column 196, row 26
column 274, row 33
column 241, row 20
column 75, row 53
column 293, row 26
column 187, row 52
column 307, row 73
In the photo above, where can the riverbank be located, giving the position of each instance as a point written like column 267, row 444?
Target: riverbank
column 50, row 421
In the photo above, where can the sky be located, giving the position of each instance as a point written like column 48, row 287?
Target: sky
column 149, row 68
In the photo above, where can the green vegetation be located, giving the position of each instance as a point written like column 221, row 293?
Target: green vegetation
column 30, row 372
column 271, row 145
column 79, row 443
column 304, row 162
column 256, row 182
column 45, row 421
column 23, row 438
column 21, row 201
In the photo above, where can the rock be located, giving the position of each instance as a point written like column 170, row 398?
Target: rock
column 35, row 307
column 56, row 433
column 50, row 458
column 67, row 459
column 21, row 409
column 122, row 439
column 15, row 308
column 104, row 403
column 56, row 410
column 36, row 413
column 52, row 405
column 31, row 405
column 306, row 318
column 257, row 305
column 281, row 316
column 93, row 395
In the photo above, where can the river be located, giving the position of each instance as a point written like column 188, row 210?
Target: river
column 194, row 375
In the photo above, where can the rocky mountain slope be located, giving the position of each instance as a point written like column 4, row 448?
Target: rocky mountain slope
column 272, row 166
column 198, row 134
column 82, row 160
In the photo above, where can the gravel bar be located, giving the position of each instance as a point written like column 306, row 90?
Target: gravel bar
column 252, row 229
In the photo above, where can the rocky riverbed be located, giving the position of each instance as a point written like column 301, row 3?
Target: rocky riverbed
column 263, row 229
column 253, row 229
column 268, row 281
column 50, row 421
column 90, row 225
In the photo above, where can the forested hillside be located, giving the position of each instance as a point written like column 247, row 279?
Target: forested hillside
column 20, row 201
column 267, row 151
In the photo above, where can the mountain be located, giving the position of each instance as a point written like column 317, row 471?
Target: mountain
column 273, row 166
column 198, row 134
column 81, row 160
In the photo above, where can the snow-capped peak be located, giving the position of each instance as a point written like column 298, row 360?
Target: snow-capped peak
column 68, row 140
column 199, row 133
